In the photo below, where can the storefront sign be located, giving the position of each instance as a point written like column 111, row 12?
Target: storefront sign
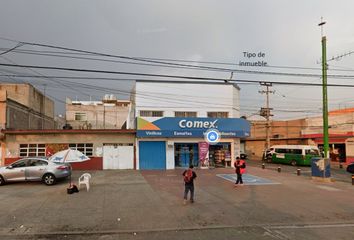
column 203, row 148
column 192, row 127
column 196, row 124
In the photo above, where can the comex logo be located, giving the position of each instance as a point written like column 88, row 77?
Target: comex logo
column 212, row 136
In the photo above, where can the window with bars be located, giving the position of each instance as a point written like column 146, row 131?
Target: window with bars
column 80, row 116
column 185, row 114
column 85, row 148
column 144, row 113
column 32, row 150
column 218, row 114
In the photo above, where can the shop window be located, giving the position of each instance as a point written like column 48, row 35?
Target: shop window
column 32, row 150
column 185, row 114
column 218, row 114
column 145, row 113
column 79, row 116
column 85, row 148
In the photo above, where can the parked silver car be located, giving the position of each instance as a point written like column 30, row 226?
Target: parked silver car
column 34, row 169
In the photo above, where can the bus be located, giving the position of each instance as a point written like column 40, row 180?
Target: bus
column 294, row 154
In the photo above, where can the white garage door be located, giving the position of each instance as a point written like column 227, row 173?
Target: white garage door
column 118, row 157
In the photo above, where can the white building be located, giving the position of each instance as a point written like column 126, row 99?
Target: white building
column 172, row 118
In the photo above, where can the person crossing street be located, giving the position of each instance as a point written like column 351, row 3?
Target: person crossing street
column 240, row 168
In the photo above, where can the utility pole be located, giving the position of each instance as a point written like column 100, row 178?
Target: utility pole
column 265, row 112
column 324, row 92
column 43, row 110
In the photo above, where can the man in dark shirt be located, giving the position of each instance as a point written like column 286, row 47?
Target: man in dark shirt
column 189, row 175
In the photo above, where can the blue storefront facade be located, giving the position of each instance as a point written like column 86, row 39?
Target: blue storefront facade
column 171, row 142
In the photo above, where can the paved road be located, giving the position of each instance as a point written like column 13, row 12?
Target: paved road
column 149, row 204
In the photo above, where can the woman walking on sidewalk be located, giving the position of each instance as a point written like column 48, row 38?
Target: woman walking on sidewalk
column 240, row 168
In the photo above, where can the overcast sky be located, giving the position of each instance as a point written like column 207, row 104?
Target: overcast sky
column 218, row 31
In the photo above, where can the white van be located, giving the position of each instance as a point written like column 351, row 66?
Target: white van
column 293, row 154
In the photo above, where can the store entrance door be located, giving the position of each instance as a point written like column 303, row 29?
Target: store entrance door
column 186, row 154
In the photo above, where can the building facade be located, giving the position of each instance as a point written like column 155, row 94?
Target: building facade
column 172, row 118
column 281, row 133
column 307, row 131
column 109, row 113
column 107, row 149
column 24, row 107
column 340, row 131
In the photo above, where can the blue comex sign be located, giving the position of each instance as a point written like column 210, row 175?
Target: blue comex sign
column 192, row 127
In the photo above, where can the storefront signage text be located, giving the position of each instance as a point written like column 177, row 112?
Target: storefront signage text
column 191, row 127
column 197, row 124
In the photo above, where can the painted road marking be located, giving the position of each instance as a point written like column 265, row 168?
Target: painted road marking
column 335, row 225
column 332, row 189
column 248, row 179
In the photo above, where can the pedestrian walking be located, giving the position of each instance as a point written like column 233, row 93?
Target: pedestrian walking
column 188, row 176
column 240, row 168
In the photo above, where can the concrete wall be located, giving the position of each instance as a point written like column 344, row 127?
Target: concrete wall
column 30, row 97
column 338, row 124
column 22, row 117
column 349, row 147
column 13, row 141
column 3, row 98
column 279, row 129
column 24, row 107
column 281, row 133
column 107, row 116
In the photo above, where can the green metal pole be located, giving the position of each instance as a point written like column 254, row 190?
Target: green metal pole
column 325, row 101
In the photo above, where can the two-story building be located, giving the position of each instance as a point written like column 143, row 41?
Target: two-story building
column 110, row 113
column 171, row 119
column 24, row 107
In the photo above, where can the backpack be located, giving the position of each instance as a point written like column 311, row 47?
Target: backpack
column 188, row 176
column 72, row 189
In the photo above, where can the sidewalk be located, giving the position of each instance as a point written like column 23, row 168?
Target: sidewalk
column 337, row 173
column 150, row 202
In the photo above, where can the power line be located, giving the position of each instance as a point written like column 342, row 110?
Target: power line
column 173, row 64
column 163, row 60
column 43, row 76
column 207, row 80
column 11, row 49
column 57, row 54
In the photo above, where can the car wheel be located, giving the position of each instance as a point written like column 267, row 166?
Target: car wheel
column 49, row 179
column 2, row 181
column 293, row 163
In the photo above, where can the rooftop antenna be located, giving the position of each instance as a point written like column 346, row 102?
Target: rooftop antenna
column 232, row 74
